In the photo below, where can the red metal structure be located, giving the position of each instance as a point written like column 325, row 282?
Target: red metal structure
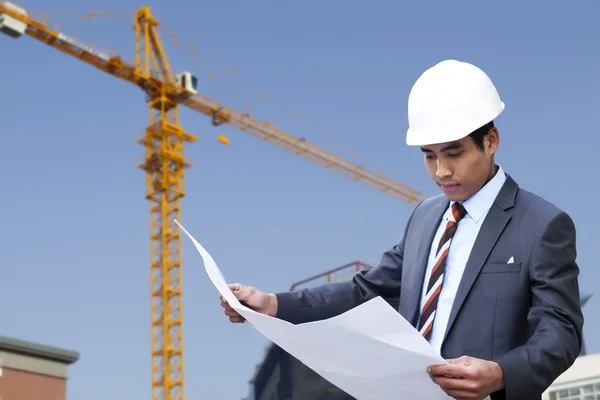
column 339, row 274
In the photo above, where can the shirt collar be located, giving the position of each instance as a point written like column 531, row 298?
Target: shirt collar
column 478, row 204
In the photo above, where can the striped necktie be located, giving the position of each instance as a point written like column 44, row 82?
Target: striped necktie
column 437, row 273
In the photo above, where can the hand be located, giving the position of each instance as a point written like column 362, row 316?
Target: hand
column 264, row 303
column 468, row 378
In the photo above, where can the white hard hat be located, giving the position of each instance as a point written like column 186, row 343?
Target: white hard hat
column 448, row 102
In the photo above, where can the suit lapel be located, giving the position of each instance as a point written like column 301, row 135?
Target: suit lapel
column 490, row 232
column 412, row 279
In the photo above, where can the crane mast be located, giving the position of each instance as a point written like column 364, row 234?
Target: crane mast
column 164, row 167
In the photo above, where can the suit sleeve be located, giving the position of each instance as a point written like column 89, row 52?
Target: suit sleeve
column 555, row 318
column 331, row 299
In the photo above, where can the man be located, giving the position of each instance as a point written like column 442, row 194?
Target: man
column 486, row 271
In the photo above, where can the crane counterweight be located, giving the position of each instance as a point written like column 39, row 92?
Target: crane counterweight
column 11, row 26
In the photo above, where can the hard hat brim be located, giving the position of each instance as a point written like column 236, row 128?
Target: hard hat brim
column 416, row 138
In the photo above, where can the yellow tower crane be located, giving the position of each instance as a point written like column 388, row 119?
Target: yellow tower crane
column 165, row 164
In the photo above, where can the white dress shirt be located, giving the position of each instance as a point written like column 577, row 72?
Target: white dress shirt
column 477, row 207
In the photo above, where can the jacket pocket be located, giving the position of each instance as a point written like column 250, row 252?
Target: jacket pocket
column 500, row 267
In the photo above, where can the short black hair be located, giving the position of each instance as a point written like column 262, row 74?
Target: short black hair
column 480, row 133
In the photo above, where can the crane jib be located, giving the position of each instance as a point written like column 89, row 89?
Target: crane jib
column 83, row 47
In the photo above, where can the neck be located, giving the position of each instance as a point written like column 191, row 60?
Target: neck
column 493, row 171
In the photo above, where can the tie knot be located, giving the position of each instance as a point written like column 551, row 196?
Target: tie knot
column 458, row 212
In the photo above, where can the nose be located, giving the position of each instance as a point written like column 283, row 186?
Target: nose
column 443, row 170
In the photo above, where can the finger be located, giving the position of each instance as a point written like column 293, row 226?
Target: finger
column 460, row 395
column 466, row 385
column 226, row 305
column 460, row 389
column 236, row 319
column 437, row 370
column 231, row 312
column 447, row 385
column 455, row 371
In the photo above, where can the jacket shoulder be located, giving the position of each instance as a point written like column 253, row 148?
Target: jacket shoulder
column 427, row 206
column 432, row 202
column 536, row 207
column 539, row 216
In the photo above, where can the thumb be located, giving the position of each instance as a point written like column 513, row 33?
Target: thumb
column 241, row 292
column 235, row 287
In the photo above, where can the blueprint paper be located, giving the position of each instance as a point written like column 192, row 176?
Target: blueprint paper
column 371, row 352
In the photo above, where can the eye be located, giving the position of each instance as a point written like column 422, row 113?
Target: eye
column 454, row 155
column 429, row 156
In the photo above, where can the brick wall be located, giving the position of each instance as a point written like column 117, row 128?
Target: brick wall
column 21, row 385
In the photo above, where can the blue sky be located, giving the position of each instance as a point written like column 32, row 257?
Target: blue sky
column 75, row 253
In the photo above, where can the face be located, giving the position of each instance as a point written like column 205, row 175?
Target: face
column 460, row 168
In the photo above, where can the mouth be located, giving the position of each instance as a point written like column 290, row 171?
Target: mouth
column 449, row 188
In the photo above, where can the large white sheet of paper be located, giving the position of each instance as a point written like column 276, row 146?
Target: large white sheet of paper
column 371, row 352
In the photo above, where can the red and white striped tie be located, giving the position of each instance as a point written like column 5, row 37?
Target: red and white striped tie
column 437, row 273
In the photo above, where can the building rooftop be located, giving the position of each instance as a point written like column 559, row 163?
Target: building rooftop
column 584, row 367
column 37, row 350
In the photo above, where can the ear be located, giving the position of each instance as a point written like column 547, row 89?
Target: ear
column 492, row 140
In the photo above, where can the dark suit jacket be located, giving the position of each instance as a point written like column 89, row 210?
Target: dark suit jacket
column 525, row 315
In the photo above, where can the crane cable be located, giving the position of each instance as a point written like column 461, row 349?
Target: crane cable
column 196, row 55
column 178, row 41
